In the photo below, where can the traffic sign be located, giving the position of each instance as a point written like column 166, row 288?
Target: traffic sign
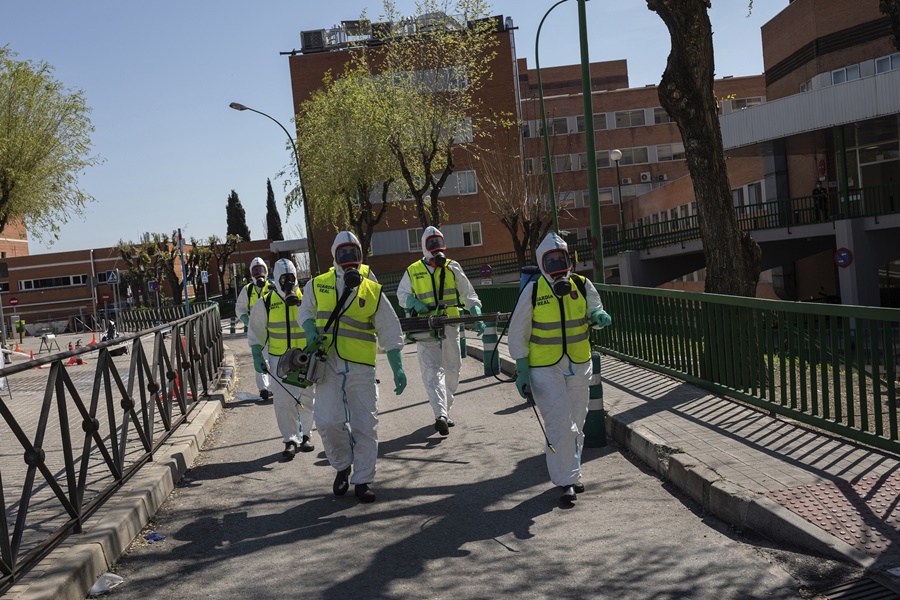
column 153, row 285
column 486, row 271
column 105, row 297
column 112, row 276
column 204, row 276
column 13, row 301
column 843, row 257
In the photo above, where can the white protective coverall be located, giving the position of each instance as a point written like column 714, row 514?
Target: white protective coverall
column 242, row 307
column 439, row 360
column 346, row 410
column 293, row 422
column 561, row 391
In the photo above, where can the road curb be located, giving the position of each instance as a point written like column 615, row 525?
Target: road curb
column 724, row 499
column 68, row 572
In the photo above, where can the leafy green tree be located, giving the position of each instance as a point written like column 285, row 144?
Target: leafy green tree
column 236, row 218
column 686, row 93
column 428, row 85
column 197, row 261
column 45, row 143
column 348, row 167
column 273, row 219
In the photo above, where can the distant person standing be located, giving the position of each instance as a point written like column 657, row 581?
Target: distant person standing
column 820, row 198
column 250, row 293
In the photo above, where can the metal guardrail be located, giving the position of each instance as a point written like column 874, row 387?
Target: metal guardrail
column 73, row 434
column 830, row 366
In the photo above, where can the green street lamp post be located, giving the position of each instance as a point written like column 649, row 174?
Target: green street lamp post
column 616, row 156
column 314, row 261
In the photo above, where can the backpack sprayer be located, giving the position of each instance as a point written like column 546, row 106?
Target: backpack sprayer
column 301, row 367
column 435, row 323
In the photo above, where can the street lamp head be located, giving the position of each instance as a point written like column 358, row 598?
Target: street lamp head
column 237, row 106
column 615, row 155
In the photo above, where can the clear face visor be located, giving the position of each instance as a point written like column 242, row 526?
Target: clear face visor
column 556, row 263
column 257, row 271
column 435, row 243
column 348, row 255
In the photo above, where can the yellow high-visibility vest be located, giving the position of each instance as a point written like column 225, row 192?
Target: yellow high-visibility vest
column 559, row 326
column 426, row 287
column 254, row 294
column 283, row 329
column 353, row 331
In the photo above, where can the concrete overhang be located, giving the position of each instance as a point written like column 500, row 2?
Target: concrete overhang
column 289, row 246
column 799, row 117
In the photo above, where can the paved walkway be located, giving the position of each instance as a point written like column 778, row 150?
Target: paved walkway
column 793, row 485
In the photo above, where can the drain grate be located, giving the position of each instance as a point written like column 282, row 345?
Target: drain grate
column 860, row 589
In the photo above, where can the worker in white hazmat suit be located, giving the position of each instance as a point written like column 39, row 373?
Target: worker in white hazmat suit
column 255, row 289
column 346, row 314
column 273, row 331
column 436, row 285
column 553, row 356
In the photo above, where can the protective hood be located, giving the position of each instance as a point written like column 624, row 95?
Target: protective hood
column 258, row 269
column 550, row 246
column 435, row 233
column 341, row 239
column 285, row 269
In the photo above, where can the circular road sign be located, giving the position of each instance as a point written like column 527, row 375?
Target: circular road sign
column 843, row 257
column 104, row 297
column 13, row 301
column 486, row 271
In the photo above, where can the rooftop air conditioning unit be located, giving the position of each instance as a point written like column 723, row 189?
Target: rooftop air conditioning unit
column 312, row 41
column 662, row 177
column 626, row 181
column 381, row 31
column 645, row 177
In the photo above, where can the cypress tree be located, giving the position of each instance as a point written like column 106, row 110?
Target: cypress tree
column 236, row 218
column 273, row 219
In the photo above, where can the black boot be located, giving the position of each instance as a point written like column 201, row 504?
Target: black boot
column 578, row 487
column 363, row 492
column 450, row 422
column 306, row 445
column 290, row 449
column 440, row 425
column 568, row 494
column 264, row 395
column 341, row 482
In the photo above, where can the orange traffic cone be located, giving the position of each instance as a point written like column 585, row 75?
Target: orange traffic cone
column 93, row 341
column 17, row 348
column 32, row 355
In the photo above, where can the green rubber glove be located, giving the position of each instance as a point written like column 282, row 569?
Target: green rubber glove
column 396, row 362
column 312, row 334
column 417, row 305
column 479, row 326
column 245, row 319
column 259, row 362
column 601, row 318
column 523, row 375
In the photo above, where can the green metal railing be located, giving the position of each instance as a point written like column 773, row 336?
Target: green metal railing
column 830, row 366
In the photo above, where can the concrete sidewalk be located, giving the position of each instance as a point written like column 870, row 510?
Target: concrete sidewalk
column 794, row 485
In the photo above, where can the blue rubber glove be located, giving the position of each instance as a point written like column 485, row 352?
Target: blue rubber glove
column 601, row 318
column 417, row 305
column 523, row 375
column 312, row 333
column 396, row 362
column 245, row 319
column 479, row 326
column 259, row 362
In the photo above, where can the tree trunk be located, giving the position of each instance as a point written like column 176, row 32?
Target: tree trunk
column 686, row 92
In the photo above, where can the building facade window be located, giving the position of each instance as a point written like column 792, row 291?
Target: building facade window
column 660, row 116
column 603, row 161
column 665, row 152
column 558, row 126
column 887, row 63
column 562, row 163
column 471, row 234
column 742, row 103
column 845, row 74
column 634, row 156
column 52, row 282
column 461, row 183
column 599, row 122
column 415, row 239
column 630, row 118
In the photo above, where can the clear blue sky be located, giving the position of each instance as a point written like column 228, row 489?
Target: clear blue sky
column 159, row 77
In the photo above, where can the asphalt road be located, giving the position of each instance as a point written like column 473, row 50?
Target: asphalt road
column 469, row 516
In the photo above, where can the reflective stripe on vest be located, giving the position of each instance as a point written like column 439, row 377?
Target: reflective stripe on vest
column 354, row 327
column 283, row 329
column 552, row 334
column 251, row 298
column 425, row 286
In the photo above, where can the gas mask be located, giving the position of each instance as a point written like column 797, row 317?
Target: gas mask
column 557, row 266
column 258, row 272
column 348, row 257
column 435, row 246
column 286, row 284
